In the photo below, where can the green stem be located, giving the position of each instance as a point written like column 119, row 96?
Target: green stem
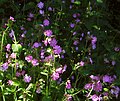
column 4, row 32
column 2, row 94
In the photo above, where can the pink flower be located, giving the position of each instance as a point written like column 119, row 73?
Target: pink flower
column 82, row 63
column 27, row 78
column 68, row 84
column 55, row 76
column 11, row 18
column 5, row 66
column 13, row 55
column 10, row 82
column 18, row 74
column 88, row 86
column 48, row 33
column 28, row 58
column 8, row 47
column 95, row 97
column 59, row 70
column 35, row 62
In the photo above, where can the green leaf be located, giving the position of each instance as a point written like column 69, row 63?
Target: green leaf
column 46, row 98
column 106, row 89
column 16, row 47
column 77, row 2
column 99, row 1
column 30, row 86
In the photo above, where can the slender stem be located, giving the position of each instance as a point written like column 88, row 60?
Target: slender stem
column 4, row 32
column 2, row 94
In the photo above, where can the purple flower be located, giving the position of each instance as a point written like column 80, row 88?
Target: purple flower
column 28, row 58
column 59, row 70
column 70, row 6
column 45, row 42
column 13, row 55
column 88, row 86
column 11, row 18
column 31, row 15
column 27, row 78
column 91, row 61
column 113, row 62
column 29, row 19
column 18, row 74
column 115, row 91
column 72, row 1
column 93, row 41
column 23, row 72
column 72, row 25
column 95, row 97
column 75, row 42
column 38, row 90
column 46, row 22
column 97, row 78
column 68, row 97
column 57, row 49
column 36, row 45
column 41, row 12
column 77, row 20
column 74, row 15
column 11, row 34
column 82, row 63
column 35, row 62
column 53, row 42
column 97, row 86
column 40, row 5
column 49, row 58
column 48, row 33
column 117, row 49
column 107, row 78
column 68, row 84
column 10, row 82
column 55, row 76
column 49, row 8
column 64, row 68
column 8, row 47
column 74, row 33
column 5, row 66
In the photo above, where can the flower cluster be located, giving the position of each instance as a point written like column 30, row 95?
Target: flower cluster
column 34, row 62
column 101, row 87
column 56, row 74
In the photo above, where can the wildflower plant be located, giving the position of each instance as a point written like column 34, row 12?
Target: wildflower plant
column 58, row 50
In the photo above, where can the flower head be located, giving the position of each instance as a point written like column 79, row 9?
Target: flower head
column 57, row 49
column 35, row 62
column 48, row 33
column 107, row 78
column 55, row 76
column 40, row 5
column 27, row 78
column 5, row 66
column 28, row 58
column 46, row 22
column 68, row 84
